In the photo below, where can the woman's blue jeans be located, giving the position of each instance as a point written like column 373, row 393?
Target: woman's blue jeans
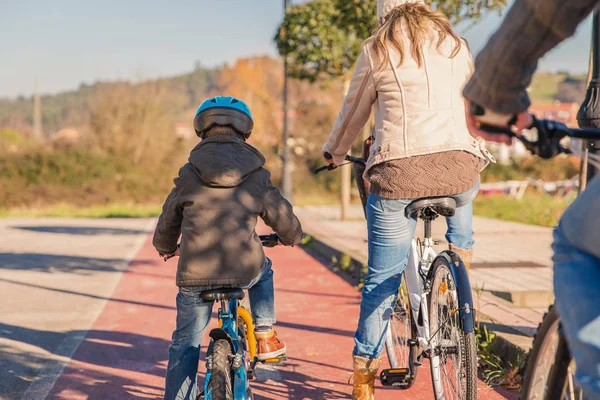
column 193, row 316
column 390, row 235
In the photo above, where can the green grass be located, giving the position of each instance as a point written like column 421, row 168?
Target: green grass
column 544, row 86
column 533, row 209
column 101, row 211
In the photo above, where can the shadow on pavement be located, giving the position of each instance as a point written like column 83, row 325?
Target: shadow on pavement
column 59, row 263
column 335, row 295
column 82, row 230
column 512, row 329
column 92, row 296
column 105, row 362
column 520, row 264
column 292, row 384
column 312, row 328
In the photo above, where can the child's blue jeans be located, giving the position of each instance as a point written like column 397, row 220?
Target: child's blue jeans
column 193, row 316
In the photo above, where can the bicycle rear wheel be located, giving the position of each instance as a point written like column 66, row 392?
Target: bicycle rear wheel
column 401, row 332
column 453, row 351
column 221, row 383
column 550, row 369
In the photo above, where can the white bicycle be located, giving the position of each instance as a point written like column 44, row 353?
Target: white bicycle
column 433, row 316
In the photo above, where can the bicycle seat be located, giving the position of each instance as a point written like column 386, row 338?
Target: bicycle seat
column 431, row 207
column 222, row 294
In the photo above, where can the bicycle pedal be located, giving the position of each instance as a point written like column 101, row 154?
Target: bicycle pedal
column 398, row 377
column 275, row 361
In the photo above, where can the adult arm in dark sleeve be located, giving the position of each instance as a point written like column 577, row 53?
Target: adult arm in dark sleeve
column 168, row 228
column 278, row 214
column 505, row 67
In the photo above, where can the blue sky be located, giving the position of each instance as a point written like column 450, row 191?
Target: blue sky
column 67, row 42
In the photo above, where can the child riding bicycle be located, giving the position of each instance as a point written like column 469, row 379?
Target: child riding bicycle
column 214, row 206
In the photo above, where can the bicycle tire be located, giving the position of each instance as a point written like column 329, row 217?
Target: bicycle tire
column 411, row 351
column 465, row 343
column 547, row 339
column 221, row 385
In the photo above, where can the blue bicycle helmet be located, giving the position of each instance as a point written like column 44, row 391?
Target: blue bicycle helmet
column 223, row 111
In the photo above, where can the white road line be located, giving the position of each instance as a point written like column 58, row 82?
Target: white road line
column 40, row 388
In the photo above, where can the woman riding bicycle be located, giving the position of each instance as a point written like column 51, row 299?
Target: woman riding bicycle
column 412, row 69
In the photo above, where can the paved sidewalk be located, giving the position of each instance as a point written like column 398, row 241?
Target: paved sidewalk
column 124, row 354
column 56, row 275
column 511, row 268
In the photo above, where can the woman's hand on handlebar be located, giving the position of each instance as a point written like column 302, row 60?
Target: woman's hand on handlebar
column 521, row 121
column 326, row 155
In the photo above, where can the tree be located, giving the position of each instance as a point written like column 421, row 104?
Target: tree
column 323, row 38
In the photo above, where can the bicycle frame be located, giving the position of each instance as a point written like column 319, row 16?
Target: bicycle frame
column 418, row 268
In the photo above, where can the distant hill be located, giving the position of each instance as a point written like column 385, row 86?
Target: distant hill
column 549, row 87
column 72, row 108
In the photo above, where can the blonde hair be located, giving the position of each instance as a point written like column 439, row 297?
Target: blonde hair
column 419, row 20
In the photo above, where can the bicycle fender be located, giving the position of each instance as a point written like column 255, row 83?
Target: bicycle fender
column 463, row 285
column 218, row 334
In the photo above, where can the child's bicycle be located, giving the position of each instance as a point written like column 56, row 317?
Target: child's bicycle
column 231, row 356
column 433, row 317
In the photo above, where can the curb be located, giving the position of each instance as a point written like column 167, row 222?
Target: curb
column 348, row 267
column 509, row 344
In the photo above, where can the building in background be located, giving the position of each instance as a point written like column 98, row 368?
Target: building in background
column 561, row 112
column 184, row 131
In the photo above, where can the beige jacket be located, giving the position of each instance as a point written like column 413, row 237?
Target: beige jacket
column 417, row 110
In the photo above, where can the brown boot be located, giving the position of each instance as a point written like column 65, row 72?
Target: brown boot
column 269, row 345
column 365, row 371
column 465, row 255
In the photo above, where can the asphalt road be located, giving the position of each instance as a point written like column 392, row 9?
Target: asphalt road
column 56, row 276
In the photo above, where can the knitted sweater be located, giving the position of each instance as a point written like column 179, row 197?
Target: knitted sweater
column 429, row 175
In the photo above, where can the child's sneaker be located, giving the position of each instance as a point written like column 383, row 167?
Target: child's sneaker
column 269, row 345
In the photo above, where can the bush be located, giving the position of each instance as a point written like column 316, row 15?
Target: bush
column 560, row 168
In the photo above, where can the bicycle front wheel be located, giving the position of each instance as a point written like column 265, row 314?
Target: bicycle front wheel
column 453, row 351
column 221, row 383
column 550, row 370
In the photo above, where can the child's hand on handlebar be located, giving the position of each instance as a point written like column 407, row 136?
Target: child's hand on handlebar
column 522, row 120
column 177, row 253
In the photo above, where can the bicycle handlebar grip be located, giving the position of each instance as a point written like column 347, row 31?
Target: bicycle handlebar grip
column 496, row 130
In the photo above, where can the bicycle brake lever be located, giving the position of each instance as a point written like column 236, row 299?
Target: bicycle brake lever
column 329, row 167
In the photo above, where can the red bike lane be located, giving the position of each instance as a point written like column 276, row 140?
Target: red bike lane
column 124, row 355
